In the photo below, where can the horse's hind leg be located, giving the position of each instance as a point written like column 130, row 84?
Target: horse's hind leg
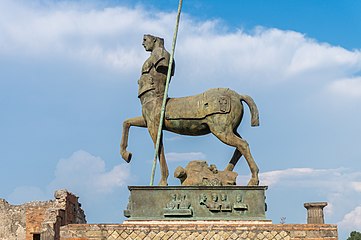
column 138, row 122
column 236, row 156
column 230, row 138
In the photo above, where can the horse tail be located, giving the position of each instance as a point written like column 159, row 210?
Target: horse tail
column 253, row 109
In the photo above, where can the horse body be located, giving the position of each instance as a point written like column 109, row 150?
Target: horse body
column 194, row 114
column 218, row 111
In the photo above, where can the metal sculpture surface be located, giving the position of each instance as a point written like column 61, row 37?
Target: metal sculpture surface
column 218, row 111
column 198, row 173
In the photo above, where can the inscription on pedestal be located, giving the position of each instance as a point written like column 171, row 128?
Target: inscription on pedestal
column 214, row 205
column 178, row 206
column 196, row 203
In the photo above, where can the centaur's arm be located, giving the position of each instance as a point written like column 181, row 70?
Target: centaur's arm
column 161, row 61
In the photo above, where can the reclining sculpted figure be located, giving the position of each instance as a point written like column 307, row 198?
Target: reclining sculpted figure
column 218, row 111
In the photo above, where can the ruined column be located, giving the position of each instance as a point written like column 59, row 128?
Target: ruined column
column 315, row 212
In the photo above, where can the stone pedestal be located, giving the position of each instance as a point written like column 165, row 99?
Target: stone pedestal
column 315, row 212
column 187, row 213
column 196, row 203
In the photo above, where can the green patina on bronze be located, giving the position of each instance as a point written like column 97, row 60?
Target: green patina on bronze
column 198, row 173
column 206, row 194
column 218, row 111
column 196, row 203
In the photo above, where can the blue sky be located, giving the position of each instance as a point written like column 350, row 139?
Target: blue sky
column 68, row 79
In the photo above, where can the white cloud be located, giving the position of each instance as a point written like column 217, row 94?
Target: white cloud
column 349, row 88
column 275, row 177
column 356, row 186
column 331, row 181
column 85, row 174
column 177, row 157
column 312, row 56
column 302, row 177
column 82, row 174
column 112, row 37
column 102, row 35
column 339, row 187
column 174, row 138
column 352, row 220
column 26, row 194
column 264, row 56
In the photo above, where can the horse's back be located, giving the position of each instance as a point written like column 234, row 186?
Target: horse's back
column 212, row 101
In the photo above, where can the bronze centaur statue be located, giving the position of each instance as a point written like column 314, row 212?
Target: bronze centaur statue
column 218, row 111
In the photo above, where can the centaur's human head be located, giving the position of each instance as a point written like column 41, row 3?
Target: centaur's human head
column 150, row 42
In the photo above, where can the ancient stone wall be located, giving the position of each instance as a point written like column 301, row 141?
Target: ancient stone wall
column 35, row 213
column 12, row 221
column 39, row 220
column 199, row 231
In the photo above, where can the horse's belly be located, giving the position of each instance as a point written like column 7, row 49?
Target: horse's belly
column 187, row 127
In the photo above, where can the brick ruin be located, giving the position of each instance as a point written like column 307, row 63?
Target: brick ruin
column 40, row 220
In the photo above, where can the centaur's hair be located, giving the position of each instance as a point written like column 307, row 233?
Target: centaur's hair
column 159, row 42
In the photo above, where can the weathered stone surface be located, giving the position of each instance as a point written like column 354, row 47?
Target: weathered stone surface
column 44, row 218
column 198, row 173
column 315, row 212
column 12, row 221
column 195, row 230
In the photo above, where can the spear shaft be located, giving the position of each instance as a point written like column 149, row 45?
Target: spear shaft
column 159, row 135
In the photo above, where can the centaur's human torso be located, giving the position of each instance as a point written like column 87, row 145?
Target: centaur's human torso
column 189, row 110
column 151, row 92
column 152, row 84
column 154, row 74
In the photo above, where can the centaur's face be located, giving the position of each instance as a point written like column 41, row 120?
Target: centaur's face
column 148, row 43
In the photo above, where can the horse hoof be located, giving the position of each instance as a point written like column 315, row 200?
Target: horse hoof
column 253, row 182
column 127, row 156
column 163, row 183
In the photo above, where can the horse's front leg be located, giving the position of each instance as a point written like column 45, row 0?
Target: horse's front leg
column 153, row 130
column 163, row 165
column 138, row 122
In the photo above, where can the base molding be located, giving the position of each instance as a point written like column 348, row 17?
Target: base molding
column 196, row 222
column 201, row 230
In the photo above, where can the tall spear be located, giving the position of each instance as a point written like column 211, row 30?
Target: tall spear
column 159, row 135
